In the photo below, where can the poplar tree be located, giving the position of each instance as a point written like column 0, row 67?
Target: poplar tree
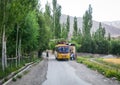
column 75, row 27
column 87, row 23
column 56, row 19
column 68, row 25
column 86, row 30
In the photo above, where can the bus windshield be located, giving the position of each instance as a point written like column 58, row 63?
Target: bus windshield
column 63, row 49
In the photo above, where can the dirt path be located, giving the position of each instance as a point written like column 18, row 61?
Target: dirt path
column 35, row 76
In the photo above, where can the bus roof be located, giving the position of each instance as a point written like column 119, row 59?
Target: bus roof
column 61, row 45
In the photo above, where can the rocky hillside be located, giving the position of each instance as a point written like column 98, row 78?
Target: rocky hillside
column 114, row 23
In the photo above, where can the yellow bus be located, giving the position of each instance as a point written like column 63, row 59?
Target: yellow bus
column 62, row 51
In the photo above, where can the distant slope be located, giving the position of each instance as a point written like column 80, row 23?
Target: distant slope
column 114, row 31
column 114, row 23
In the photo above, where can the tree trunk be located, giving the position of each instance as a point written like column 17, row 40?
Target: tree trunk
column 4, row 56
column 19, row 50
column 3, row 50
column 17, row 44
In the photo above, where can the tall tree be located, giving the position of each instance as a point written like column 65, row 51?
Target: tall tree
column 54, row 3
column 4, row 3
column 109, row 36
column 64, row 32
column 86, row 28
column 56, row 19
column 75, row 27
column 23, row 10
column 43, row 35
column 48, row 20
column 100, row 33
column 87, row 23
column 68, row 24
column 79, row 37
column 58, row 25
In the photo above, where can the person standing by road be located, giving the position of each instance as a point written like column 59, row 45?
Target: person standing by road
column 47, row 54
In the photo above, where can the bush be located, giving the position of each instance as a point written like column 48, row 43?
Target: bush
column 19, row 76
column 14, row 79
column 110, row 73
column 118, row 76
column 5, row 79
column 115, row 45
column 25, row 72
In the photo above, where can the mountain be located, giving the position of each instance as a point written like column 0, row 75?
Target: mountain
column 113, row 23
column 114, row 31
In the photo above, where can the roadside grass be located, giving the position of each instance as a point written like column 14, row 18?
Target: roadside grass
column 19, row 76
column 112, row 60
column 14, row 79
column 111, row 64
column 102, row 68
column 13, row 69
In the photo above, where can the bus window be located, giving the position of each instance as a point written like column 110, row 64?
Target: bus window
column 64, row 49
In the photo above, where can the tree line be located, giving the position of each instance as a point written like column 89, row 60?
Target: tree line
column 25, row 30
column 96, row 42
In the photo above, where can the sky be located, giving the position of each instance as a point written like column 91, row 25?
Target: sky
column 103, row 10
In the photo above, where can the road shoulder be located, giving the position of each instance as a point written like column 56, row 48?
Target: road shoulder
column 35, row 76
column 92, row 76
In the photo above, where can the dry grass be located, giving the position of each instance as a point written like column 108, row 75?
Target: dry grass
column 112, row 60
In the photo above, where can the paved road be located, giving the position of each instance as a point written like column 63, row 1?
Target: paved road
column 72, row 73
column 53, row 72
column 61, row 73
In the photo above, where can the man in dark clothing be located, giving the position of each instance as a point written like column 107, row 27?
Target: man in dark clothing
column 47, row 54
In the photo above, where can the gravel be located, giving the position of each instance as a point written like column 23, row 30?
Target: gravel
column 109, row 56
column 35, row 76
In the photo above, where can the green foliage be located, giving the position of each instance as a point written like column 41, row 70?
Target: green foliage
column 13, row 68
column 103, row 69
column 34, row 29
column 86, row 44
column 14, row 79
column 102, row 47
column 75, row 31
column 68, row 23
column 87, row 23
column 56, row 19
column 115, row 45
column 43, row 38
column 64, row 32
column 6, row 79
column 30, row 33
column 52, row 45
column 26, row 72
column 110, row 73
column 48, row 20
column 19, row 76
column 100, row 33
column 77, row 35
